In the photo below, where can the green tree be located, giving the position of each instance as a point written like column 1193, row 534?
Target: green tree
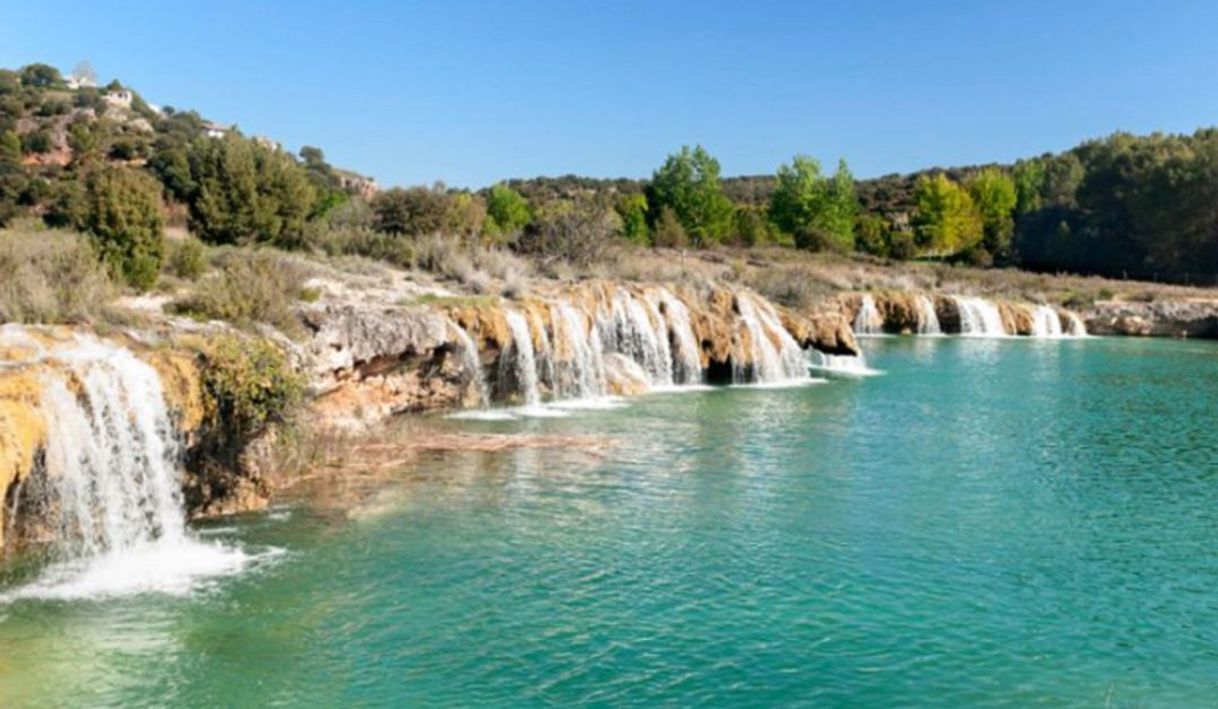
column 819, row 211
column 688, row 184
column 241, row 192
column 995, row 197
column 873, row 235
column 947, row 221
column 170, row 162
column 577, row 231
column 1063, row 176
column 506, row 212
column 413, row 211
column 314, row 158
column 466, row 216
column 42, row 76
column 1029, row 177
column 843, row 207
column 123, row 213
column 633, row 212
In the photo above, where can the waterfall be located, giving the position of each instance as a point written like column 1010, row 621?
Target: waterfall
column 110, row 481
column 522, row 365
column 629, row 330
column 770, row 363
column 979, row 317
column 849, row 365
column 584, row 374
column 472, row 363
column 1045, row 322
column 868, row 321
column 1077, row 328
column 686, row 355
column 543, row 352
column 928, row 321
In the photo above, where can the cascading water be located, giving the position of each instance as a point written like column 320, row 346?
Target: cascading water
column 521, row 366
column 928, row 321
column 979, row 317
column 1077, row 328
column 1045, row 322
column 543, row 351
column 687, row 360
column 472, row 363
column 628, row 329
column 584, row 374
column 848, row 365
column 634, row 342
column 770, row 363
column 110, row 481
column 868, row 321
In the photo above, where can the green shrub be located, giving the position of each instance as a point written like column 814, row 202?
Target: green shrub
column 50, row 277
column 252, row 286
column 187, row 258
column 411, row 211
column 123, row 212
column 347, row 230
column 36, row 142
column 362, row 241
column 668, row 232
column 901, row 245
column 249, row 384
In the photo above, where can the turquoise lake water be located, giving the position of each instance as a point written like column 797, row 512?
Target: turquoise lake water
column 989, row 522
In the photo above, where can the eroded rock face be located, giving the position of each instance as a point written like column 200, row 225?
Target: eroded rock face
column 1184, row 318
column 826, row 331
column 368, row 363
column 1016, row 317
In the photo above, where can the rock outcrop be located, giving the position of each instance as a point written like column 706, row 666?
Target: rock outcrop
column 368, row 363
column 1176, row 318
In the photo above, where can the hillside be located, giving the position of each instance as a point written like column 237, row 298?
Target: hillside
column 105, row 162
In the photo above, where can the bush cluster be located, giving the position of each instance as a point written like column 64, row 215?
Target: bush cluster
column 249, row 384
column 250, row 287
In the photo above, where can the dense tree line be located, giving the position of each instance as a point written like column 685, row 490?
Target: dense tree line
column 1142, row 206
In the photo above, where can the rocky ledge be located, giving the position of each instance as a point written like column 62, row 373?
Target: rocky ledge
column 1173, row 318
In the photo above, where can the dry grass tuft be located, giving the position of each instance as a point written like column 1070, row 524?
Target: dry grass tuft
column 51, row 277
column 250, row 286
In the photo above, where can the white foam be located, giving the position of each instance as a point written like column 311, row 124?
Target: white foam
column 603, row 403
column 845, row 365
column 680, row 389
column 787, row 384
column 540, row 411
column 483, row 415
column 162, row 567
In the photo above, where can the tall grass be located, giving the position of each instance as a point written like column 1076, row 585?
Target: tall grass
column 51, row 277
column 250, row 286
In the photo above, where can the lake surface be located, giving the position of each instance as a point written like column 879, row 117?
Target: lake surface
column 989, row 522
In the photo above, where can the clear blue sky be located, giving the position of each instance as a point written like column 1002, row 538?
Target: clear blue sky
column 471, row 92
